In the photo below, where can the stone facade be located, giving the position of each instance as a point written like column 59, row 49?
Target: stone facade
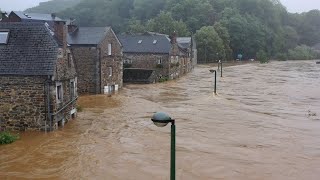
column 98, row 70
column 87, row 65
column 44, row 101
column 24, row 99
column 23, row 102
column 157, row 52
column 158, row 62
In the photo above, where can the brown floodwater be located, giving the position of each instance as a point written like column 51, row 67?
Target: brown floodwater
column 263, row 124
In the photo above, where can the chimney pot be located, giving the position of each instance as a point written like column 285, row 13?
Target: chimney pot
column 53, row 15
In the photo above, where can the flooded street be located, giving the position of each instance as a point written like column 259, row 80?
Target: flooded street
column 263, row 124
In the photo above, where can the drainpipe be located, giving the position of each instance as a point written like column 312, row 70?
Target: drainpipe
column 48, row 104
column 100, row 70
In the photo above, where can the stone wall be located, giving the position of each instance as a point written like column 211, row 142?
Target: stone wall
column 149, row 61
column 24, row 99
column 93, row 65
column 87, row 64
column 65, row 76
column 113, row 62
column 22, row 104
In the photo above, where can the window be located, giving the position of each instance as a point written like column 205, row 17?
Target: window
column 154, row 41
column 127, row 61
column 109, row 49
column 110, row 71
column 72, row 89
column 59, row 92
column 140, row 41
column 4, row 36
column 172, row 60
column 159, row 60
column 69, row 60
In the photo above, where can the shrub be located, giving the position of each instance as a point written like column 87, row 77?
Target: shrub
column 163, row 79
column 79, row 108
column 262, row 56
column 282, row 57
column 302, row 52
column 7, row 138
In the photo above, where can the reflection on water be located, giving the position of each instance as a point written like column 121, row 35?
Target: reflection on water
column 263, row 124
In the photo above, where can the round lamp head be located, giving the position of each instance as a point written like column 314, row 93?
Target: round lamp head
column 211, row 70
column 161, row 119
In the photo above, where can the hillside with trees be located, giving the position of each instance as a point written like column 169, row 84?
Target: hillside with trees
column 53, row 6
column 223, row 28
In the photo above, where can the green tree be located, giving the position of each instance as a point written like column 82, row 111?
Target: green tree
column 210, row 45
column 195, row 13
column 147, row 9
column 302, row 52
column 262, row 56
column 135, row 26
column 224, row 35
column 164, row 23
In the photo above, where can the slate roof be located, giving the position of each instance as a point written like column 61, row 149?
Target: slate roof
column 35, row 16
column 184, row 42
column 131, row 43
column 87, row 35
column 31, row 50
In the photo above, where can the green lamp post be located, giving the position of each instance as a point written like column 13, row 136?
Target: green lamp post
column 161, row 119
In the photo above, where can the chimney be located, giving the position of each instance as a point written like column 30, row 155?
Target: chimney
column 53, row 15
column 173, row 38
column 72, row 27
column 60, row 32
column 4, row 16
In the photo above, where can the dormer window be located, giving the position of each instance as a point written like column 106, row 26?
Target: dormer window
column 154, row 41
column 4, row 36
column 140, row 41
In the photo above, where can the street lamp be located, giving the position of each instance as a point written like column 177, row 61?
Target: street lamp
column 161, row 119
column 215, row 80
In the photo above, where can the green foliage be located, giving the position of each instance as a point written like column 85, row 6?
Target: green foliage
column 135, row 26
column 282, row 57
column 53, row 6
column 163, row 79
column 210, row 45
column 262, row 56
column 243, row 26
column 164, row 23
column 302, row 52
column 7, row 138
column 79, row 108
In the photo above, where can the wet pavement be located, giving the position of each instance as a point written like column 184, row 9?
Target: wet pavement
column 264, row 123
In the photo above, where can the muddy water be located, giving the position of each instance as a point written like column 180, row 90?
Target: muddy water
column 263, row 124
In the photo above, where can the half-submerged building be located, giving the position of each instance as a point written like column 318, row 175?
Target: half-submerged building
column 153, row 57
column 98, row 58
column 37, row 76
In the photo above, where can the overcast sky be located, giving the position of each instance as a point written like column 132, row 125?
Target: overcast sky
column 292, row 5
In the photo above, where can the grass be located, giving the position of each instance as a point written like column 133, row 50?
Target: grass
column 7, row 138
column 79, row 108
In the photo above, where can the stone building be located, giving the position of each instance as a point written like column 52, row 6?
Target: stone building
column 19, row 16
column 37, row 76
column 157, row 52
column 98, row 58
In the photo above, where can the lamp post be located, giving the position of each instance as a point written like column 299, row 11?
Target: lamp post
column 221, row 67
column 215, row 80
column 161, row 119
